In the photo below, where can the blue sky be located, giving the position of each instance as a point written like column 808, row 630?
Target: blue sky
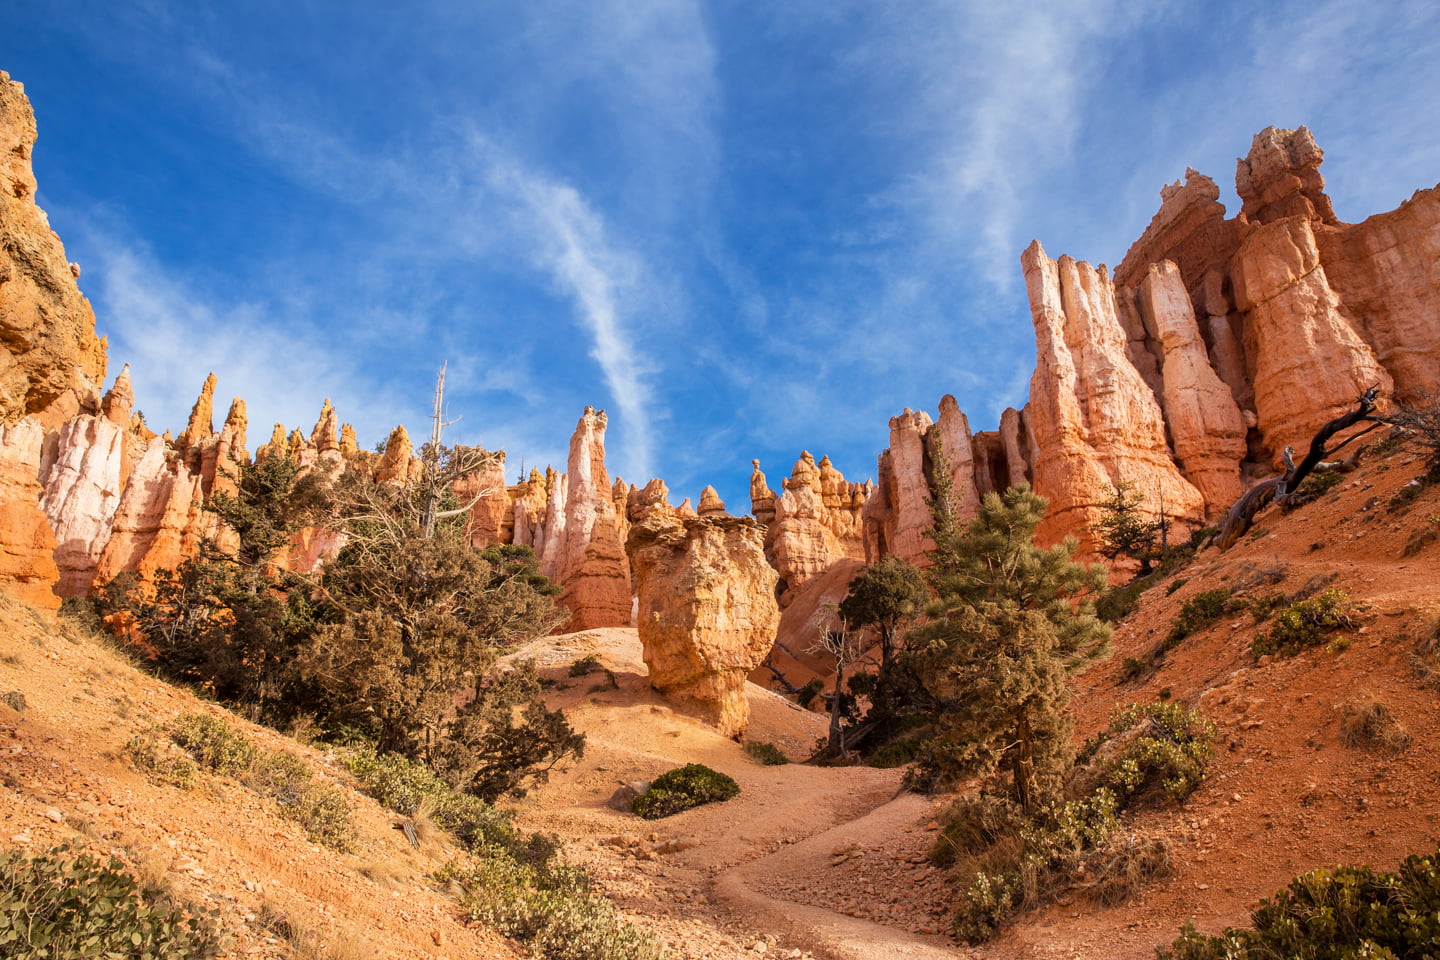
column 744, row 229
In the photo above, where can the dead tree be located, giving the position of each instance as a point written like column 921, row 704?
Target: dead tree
column 1277, row 489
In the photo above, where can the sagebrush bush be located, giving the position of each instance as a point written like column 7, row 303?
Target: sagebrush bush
column 1030, row 862
column 550, row 908
column 321, row 810
column 64, row 906
column 214, row 744
column 408, row 786
column 1165, row 751
column 586, row 664
column 152, row 756
column 766, row 754
column 683, row 788
column 1345, row 912
column 1304, row 624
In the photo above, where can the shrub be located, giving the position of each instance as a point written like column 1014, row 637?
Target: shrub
column 408, row 787
column 765, row 754
column 1304, row 624
column 214, row 744
column 550, row 908
column 682, row 788
column 58, row 906
column 1199, row 611
column 1174, row 585
column 1030, row 862
column 1349, row 911
column 897, row 753
column 152, row 757
column 1164, row 750
column 1314, row 486
column 320, row 810
column 586, row 664
column 1372, row 725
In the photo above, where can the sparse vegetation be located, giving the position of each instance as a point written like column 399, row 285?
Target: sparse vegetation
column 1369, row 724
column 1126, row 530
column 1196, row 613
column 550, row 908
column 319, row 808
column 155, row 758
column 683, row 788
column 1421, row 424
column 1344, row 912
column 1174, row 585
column 64, row 905
column 1304, row 624
column 1005, row 861
column 766, row 754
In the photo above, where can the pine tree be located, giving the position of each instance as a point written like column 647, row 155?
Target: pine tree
column 1123, row 530
column 882, row 595
column 1011, row 622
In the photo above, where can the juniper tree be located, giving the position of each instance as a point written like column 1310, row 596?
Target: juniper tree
column 1011, row 621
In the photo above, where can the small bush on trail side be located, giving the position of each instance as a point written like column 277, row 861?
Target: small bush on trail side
column 1304, row 624
column 1174, row 585
column 153, row 757
column 765, row 754
column 683, row 788
column 1344, row 912
column 1199, row 611
column 61, row 905
column 409, row 788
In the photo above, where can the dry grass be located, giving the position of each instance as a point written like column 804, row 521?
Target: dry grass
column 1366, row 723
column 307, row 938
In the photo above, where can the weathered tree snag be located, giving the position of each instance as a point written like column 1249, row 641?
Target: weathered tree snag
column 1239, row 519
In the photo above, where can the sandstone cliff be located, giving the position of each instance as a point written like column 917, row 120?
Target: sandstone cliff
column 814, row 521
column 52, row 359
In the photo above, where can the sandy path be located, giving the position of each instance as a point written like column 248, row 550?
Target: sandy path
column 828, row 932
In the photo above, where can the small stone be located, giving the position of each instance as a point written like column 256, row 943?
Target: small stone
column 50, row 813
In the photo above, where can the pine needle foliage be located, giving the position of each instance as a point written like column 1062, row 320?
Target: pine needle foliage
column 1011, row 621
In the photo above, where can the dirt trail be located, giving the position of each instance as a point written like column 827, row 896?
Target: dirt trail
column 820, row 862
column 828, row 932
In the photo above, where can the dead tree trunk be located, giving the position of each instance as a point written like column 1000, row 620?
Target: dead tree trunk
column 1242, row 514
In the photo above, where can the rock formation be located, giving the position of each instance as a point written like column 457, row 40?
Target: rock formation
column 51, row 359
column 589, row 559
column 814, row 521
column 707, row 612
column 27, row 562
column 82, row 487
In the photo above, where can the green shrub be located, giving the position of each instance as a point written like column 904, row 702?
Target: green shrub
column 897, row 753
column 408, row 786
column 57, row 907
column 1049, row 853
column 1304, row 624
column 1199, row 611
column 549, row 908
column 682, row 788
column 320, row 809
column 586, row 664
column 1263, row 608
column 214, row 744
column 1174, row 585
column 1315, row 486
column 1132, row 667
column 153, row 757
column 1345, row 912
column 765, row 754
column 1167, row 751
column 1118, row 602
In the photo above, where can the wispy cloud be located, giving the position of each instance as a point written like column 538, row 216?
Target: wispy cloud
column 570, row 242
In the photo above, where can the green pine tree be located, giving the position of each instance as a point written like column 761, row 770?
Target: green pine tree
column 1011, row 621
